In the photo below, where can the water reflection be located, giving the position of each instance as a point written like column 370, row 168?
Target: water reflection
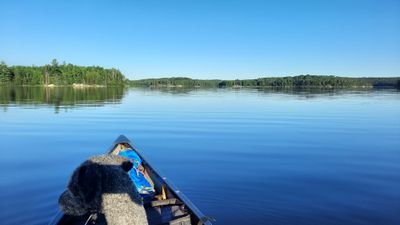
column 304, row 93
column 285, row 156
column 69, row 97
column 59, row 96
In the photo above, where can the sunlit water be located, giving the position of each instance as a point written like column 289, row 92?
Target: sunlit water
column 242, row 156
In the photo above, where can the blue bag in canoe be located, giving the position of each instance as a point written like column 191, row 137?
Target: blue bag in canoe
column 142, row 184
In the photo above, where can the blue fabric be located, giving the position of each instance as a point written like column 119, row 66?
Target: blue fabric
column 133, row 156
column 141, row 183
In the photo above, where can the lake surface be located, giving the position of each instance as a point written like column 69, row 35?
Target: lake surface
column 242, row 156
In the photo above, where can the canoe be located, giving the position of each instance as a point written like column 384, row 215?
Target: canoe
column 168, row 205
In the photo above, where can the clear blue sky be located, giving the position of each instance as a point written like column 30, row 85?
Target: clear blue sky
column 207, row 38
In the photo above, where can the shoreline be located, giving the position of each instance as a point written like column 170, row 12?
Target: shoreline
column 239, row 87
column 60, row 85
column 83, row 86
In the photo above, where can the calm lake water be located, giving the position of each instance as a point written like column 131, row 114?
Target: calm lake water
column 242, row 156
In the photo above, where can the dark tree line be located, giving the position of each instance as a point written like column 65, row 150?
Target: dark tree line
column 296, row 81
column 59, row 74
column 174, row 82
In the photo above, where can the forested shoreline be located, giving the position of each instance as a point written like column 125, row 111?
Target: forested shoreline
column 55, row 74
column 294, row 81
column 59, row 74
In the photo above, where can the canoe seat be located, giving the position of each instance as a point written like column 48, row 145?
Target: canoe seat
column 169, row 211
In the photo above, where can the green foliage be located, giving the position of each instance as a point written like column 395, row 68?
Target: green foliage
column 64, row 74
column 6, row 75
column 68, row 74
column 296, row 81
column 174, row 82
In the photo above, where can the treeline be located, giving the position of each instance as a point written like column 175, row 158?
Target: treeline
column 59, row 74
column 296, row 81
column 68, row 74
column 174, row 82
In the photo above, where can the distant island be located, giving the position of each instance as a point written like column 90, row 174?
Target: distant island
column 55, row 74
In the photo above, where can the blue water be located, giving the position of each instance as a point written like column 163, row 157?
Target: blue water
column 242, row 156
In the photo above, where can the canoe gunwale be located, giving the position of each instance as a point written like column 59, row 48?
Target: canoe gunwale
column 172, row 187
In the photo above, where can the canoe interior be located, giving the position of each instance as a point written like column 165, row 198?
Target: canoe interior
column 176, row 208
